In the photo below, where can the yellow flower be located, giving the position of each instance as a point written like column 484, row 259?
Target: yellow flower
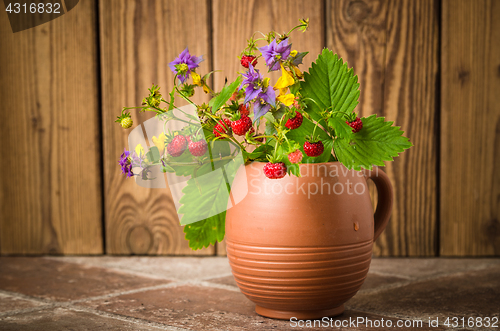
column 206, row 89
column 298, row 72
column 293, row 53
column 139, row 150
column 287, row 99
column 285, row 80
column 160, row 142
column 196, row 78
column 282, row 85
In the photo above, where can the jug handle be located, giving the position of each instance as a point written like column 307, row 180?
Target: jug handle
column 385, row 199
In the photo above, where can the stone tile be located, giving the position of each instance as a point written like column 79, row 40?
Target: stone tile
column 202, row 308
column 180, row 268
column 193, row 307
column 57, row 280
column 64, row 319
column 227, row 280
column 415, row 268
column 471, row 294
column 9, row 303
column 374, row 281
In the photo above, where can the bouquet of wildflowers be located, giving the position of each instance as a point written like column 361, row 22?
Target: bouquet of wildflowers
column 303, row 117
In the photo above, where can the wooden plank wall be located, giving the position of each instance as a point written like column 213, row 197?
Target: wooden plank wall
column 470, row 128
column 137, row 42
column 393, row 47
column 50, row 196
column 431, row 66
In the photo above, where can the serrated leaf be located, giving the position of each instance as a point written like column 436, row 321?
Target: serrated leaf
column 342, row 130
column 331, row 84
column 378, row 141
column 206, row 232
column 207, row 195
column 226, row 93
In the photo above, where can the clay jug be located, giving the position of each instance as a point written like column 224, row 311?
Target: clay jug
column 301, row 247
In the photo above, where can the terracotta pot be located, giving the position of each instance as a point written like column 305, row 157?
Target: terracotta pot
column 301, row 247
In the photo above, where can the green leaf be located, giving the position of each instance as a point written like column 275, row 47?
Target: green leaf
column 378, row 141
column 342, row 130
column 260, row 152
column 226, row 93
column 332, row 86
column 207, row 195
column 153, row 155
column 270, row 128
column 306, row 129
column 172, row 100
column 206, row 232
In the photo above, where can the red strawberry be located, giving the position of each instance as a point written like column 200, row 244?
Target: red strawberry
column 243, row 110
column 248, row 59
column 177, row 146
column 313, row 149
column 356, row 125
column 275, row 170
column 295, row 157
column 198, row 148
column 241, row 126
column 294, row 122
column 222, row 128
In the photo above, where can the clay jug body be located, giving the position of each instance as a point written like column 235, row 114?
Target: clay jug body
column 301, row 247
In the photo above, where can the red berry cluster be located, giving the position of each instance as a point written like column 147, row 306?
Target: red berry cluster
column 246, row 60
column 295, row 122
column 275, row 170
column 222, row 128
column 356, row 125
column 198, row 148
column 241, row 126
column 313, row 148
column 179, row 144
column 243, row 110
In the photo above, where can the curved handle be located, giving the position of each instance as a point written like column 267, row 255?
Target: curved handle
column 385, row 198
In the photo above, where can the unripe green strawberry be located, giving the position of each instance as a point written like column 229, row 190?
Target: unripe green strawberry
column 126, row 122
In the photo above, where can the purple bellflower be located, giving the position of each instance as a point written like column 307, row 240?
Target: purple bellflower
column 126, row 163
column 264, row 102
column 274, row 53
column 253, row 79
column 184, row 64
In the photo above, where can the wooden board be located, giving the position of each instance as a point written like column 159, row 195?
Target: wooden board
column 138, row 39
column 50, row 188
column 393, row 48
column 235, row 21
column 470, row 129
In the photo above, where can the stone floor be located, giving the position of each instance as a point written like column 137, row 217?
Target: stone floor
column 191, row 293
